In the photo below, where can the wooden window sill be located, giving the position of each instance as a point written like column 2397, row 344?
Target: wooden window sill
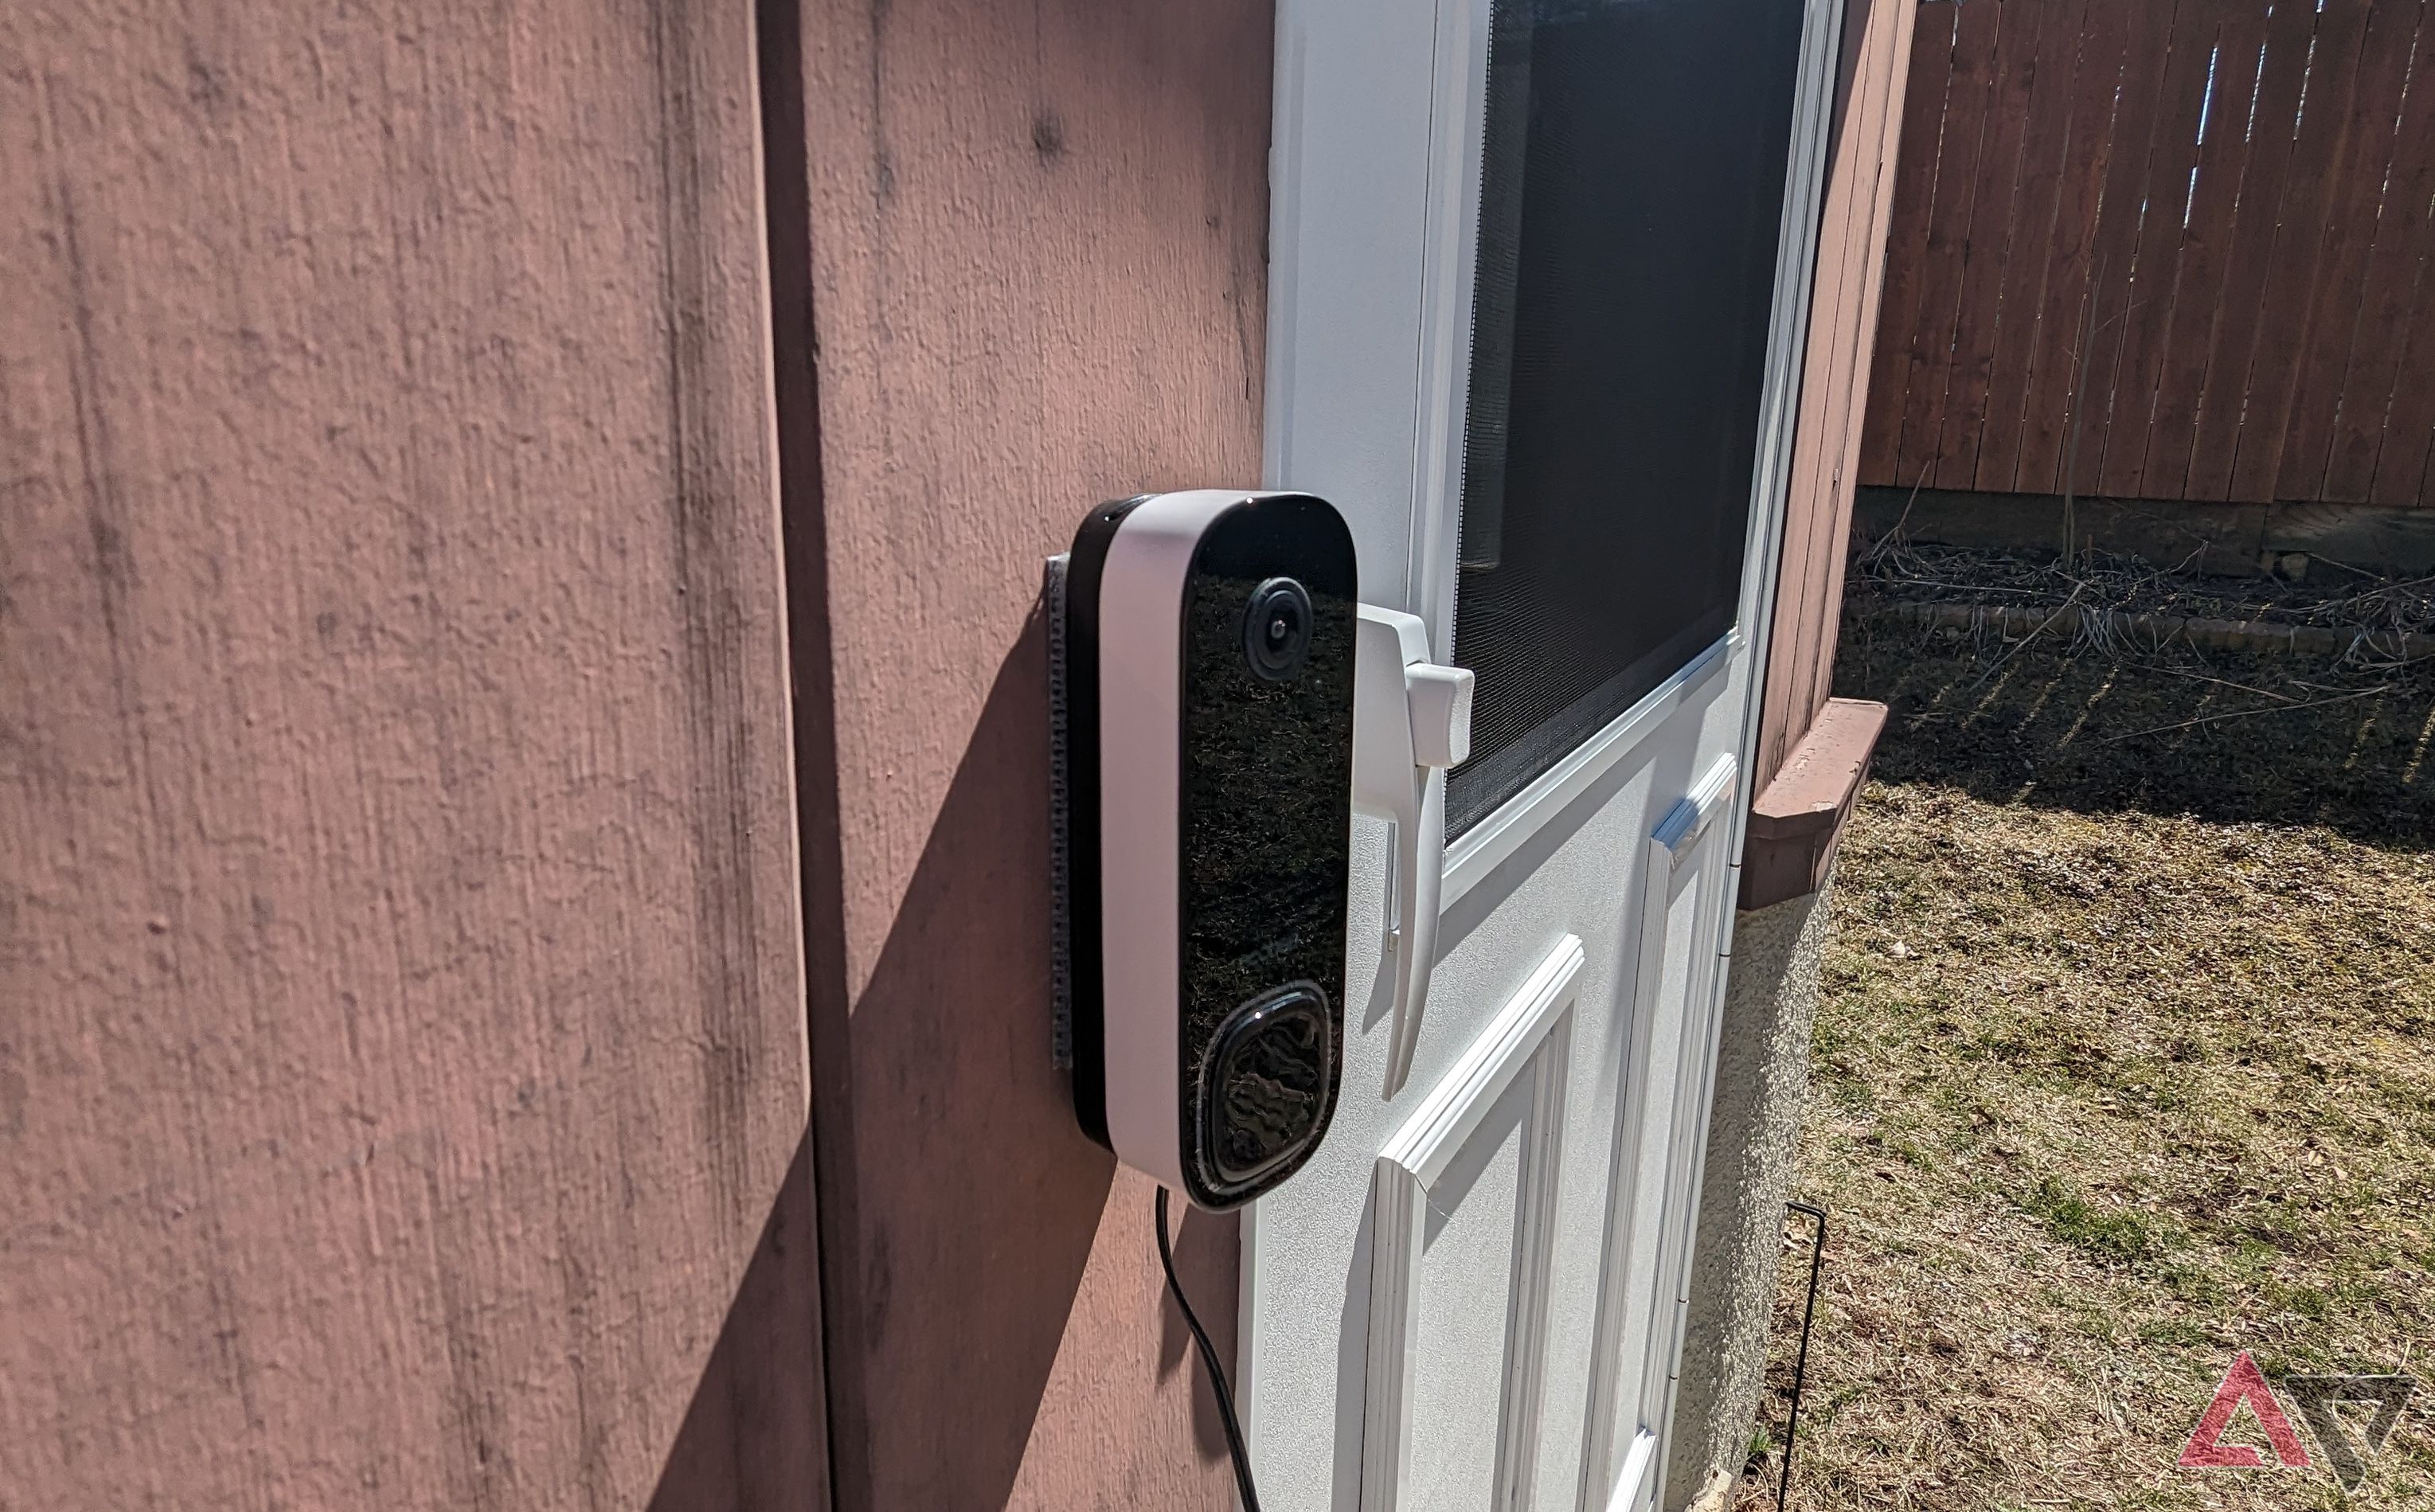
column 1796, row 821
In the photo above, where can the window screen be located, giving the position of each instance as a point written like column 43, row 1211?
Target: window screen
column 1632, row 192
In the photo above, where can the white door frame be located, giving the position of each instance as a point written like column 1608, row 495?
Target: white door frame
column 1408, row 417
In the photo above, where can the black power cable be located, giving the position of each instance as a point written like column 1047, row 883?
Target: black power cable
column 1209, row 1361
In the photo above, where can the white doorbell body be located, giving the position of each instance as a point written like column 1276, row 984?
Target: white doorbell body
column 1207, row 644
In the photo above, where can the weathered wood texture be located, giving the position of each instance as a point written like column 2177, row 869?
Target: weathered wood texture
column 1850, row 281
column 402, row 1041
column 2169, row 249
column 1797, row 819
column 1036, row 234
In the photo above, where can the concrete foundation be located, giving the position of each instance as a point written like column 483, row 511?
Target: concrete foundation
column 1762, row 1070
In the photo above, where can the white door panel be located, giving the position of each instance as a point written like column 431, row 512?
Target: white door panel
column 1471, row 1298
column 1465, row 1198
column 1319, row 1382
column 1667, row 1046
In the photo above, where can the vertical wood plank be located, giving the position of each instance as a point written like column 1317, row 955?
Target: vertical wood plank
column 2312, row 246
column 403, row 1069
column 2401, row 458
column 2403, row 451
column 2370, row 386
column 2077, row 400
column 1825, row 619
column 1834, row 308
column 2050, row 228
column 1862, row 194
column 2222, row 394
column 1995, row 218
column 2052, row 343
column 1821, row 606
column 2199, row 290
column 1036, row 234
column 2339, row 291
column 1919, row 178
column 2157, row 252
column 1967, row 116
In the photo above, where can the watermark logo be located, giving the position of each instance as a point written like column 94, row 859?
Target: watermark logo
column 2244, row 1383
column 2316, row 1397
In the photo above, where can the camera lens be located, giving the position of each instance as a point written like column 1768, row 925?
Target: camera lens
column 1276, row 628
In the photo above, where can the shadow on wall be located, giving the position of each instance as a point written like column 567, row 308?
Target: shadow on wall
column 962, row 1214
column 752, row 1435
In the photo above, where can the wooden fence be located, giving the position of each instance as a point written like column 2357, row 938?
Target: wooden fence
column 2171, row 250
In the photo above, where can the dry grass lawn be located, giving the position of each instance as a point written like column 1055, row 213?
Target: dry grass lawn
column 2126, row 1062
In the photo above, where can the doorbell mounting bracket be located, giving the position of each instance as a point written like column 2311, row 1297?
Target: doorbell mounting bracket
column 1202, row 661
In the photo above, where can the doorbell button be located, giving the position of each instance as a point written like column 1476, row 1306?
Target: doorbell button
column 1265, row 1084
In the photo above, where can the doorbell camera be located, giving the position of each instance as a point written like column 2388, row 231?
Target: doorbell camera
column 1204, row 647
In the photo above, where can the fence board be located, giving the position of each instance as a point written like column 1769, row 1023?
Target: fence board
column 1930, row 346
column 2409, row 426
column 2376, row 351
column 1991, row 225
column 2149, row 299
column 2226, row 202
column 2340, row 290
column 2039, row 238
column 2409, row 429
column 2051, row 341
column 2223, row 393
column 2200, row 288
column 2309, row 244
column 2080, row 399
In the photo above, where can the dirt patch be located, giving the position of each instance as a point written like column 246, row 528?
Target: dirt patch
column 2126, row 1062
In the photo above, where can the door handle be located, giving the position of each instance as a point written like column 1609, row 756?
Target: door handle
column 1411, row 721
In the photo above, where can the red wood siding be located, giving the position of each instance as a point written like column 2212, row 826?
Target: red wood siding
column 402, row 1073
column 2170, row 249
column 1033, row 236
column 1852, row 274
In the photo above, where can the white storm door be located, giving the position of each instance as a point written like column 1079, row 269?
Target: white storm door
column 1537, row 281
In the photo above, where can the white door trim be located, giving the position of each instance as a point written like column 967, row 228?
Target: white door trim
column 1533, row 1032
column 1683, row 849
column 1493, row 839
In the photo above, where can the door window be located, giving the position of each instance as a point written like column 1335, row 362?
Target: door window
column 1633, row 159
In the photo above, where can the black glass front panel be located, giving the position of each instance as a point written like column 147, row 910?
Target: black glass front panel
column 1632, row 196
column 1269, row 635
